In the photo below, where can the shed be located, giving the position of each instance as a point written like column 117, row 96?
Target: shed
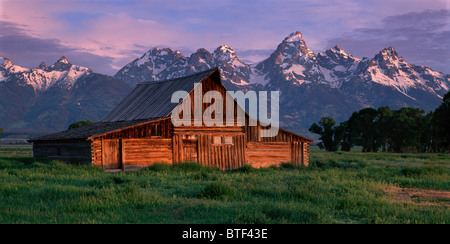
column 139, row 132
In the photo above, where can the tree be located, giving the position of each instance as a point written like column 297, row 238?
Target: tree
column 408, row 126
column 441, row 125
column 363, row 129
column 384, row 126
column 80, row 124
column 346, row 139
column 330, row 134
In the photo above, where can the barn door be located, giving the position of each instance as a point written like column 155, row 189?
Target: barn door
column 190, row 150
column 111, row 154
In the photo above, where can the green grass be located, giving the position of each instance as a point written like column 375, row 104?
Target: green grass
column 337, row 188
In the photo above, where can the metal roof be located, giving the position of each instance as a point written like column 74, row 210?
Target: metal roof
column 84, row 132
column 153, row 99
column 147, row 102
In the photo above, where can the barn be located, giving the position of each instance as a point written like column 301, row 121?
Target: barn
column 140, row 132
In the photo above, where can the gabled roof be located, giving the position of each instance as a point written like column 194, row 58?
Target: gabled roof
column 153, row 99
column 84, row 132
column 148, row 101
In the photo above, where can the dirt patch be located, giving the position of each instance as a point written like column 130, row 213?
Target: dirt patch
column 420, row 197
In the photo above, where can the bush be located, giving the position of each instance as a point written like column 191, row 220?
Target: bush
column 245, row 169
column 218, row 191
column 80, row 124
column 288, row 166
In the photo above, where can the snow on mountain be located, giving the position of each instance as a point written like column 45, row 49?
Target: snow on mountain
column 292, row 63
column 389, row 69
column 336, row 66
column 62, row 74
column 150, row 65
column 331, row 83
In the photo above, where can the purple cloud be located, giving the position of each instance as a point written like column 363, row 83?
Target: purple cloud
column 422, row 38
column 28, row 51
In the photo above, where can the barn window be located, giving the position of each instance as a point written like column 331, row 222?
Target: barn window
column 217, row 140
column 156, row 130
column 190, row 137
column 228, row 140
column 58, row 151
column 223, row 140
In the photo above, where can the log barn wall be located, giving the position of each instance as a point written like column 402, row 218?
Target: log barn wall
column 129, row 149
column 140, row 153
column 266, row 154
column 67, row 151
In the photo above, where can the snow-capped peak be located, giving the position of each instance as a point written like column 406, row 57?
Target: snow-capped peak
column 61, row 74
column 390, row 51
column 63, row 60
column 226, row 54
column 294, row 37
column 10, row 68
column 42, row 65
column 225, row 49
column 6, row 63
column 339, row 51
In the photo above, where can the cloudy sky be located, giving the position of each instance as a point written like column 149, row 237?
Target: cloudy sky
column 107, row 34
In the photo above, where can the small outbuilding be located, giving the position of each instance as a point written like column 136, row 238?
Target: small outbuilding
column 140, row 132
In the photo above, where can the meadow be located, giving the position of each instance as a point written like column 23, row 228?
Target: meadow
column 337, row 188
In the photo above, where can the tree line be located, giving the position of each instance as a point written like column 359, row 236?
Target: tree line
column 383, row 129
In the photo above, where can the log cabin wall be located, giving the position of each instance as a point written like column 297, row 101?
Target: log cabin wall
column 140, row 145
column 70, row 151
column 148, row 130
column 220, row 147
column 140, row 153
column 266, row 154
column 299, row 147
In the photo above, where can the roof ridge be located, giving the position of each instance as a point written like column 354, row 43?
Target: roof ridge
column 182, row 77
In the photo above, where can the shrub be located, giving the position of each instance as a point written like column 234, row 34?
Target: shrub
column 245, row 169
column 80, row 124
column 219, row 191
column 288, row 166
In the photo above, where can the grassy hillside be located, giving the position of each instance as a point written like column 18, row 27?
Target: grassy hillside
column 336, row 188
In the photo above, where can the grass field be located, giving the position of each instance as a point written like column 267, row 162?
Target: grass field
column 337, row 188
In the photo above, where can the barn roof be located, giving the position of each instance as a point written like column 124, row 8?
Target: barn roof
column 84, row 132
column 153, row 99
column 147, row 102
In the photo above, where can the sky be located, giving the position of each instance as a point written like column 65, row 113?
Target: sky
column 105, row 35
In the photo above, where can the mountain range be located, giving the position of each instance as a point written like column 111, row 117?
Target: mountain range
column 49, row 98
column 330, row 83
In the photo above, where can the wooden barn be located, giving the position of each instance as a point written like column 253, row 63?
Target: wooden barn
column 139, row 132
